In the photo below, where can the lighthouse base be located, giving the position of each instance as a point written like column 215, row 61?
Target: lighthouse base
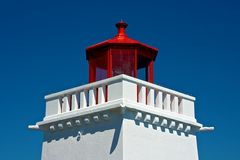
column 121, row 135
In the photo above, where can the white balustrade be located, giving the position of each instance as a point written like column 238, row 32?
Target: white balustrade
column 92, row 97
column 150, row 97
column 174, row 104
column 159, row 100
column 83, row 99
column 74, row 101
column 142, row 94
column 180, row 106
column 101, row 94
column 65, row 105
column 120, row 87
column 166, row 102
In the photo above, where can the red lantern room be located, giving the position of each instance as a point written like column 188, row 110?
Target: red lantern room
column 121, row 55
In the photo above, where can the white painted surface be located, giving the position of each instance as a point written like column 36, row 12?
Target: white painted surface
column 174, row 104
column 141, row 142
column 92, row 97
column 115, row 91
column 83, row 99
column 133, row 123
column 166, row 102
column 116, row 105
column 88, row 142
column 53, row 107
column 119, row 87
column 66, row 105
column 122, row 89
column 75, row 101
column 150, row 97
column 101, row 94
column 159, row 100
column 129, row 90
column 142, row 94
column 116, row 79
column 119, row 138
column 188, row 108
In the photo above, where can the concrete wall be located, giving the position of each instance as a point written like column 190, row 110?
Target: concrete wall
column 129, row 134
column 98, row 141
column 142, row 141
column 119, row 138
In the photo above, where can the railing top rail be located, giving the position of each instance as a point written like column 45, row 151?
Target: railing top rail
column 160, row 88
column 115, row 79
column 85, row 87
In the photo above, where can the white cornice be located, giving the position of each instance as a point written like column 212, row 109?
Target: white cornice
column 100, row 112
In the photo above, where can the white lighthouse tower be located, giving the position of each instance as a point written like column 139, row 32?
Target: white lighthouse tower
column 120, row 114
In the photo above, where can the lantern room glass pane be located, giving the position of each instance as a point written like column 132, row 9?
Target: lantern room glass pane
column 123, row 61
column 142, row 73
column 142, row 65
column 101, row 67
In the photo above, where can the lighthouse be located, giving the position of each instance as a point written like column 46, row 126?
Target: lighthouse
column 121, row 114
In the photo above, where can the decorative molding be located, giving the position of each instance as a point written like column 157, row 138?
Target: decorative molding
column 97, row 114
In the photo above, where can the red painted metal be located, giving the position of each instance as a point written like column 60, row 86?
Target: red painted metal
column 120, row 55
column 92, row 71
column 150, row 72
column 135, row 62
column 109, row 63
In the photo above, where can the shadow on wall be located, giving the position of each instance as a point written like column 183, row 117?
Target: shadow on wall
column 115, row 123
column 161, row 129
column 157, row 127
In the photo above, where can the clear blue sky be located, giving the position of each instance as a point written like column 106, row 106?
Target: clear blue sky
column 42, row 49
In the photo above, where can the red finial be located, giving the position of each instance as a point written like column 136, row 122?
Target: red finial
column 121, row 29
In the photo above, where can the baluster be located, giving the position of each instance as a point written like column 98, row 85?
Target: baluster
column 83, row 99
column 174, row 104
column 180, row 106
column 142, row 94
column 66, row 106
column 101, row 94
column 74, row 101
column 92, row 97
column 166, row 102
column 59, row 105
column 159, row 100
column 150, row 97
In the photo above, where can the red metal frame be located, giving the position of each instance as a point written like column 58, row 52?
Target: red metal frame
column 92, row 71
column 109, row 65
column 144, row 55
column 135, row 63
column 150, row 72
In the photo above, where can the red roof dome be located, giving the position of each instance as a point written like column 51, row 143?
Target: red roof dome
column 121, row 38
